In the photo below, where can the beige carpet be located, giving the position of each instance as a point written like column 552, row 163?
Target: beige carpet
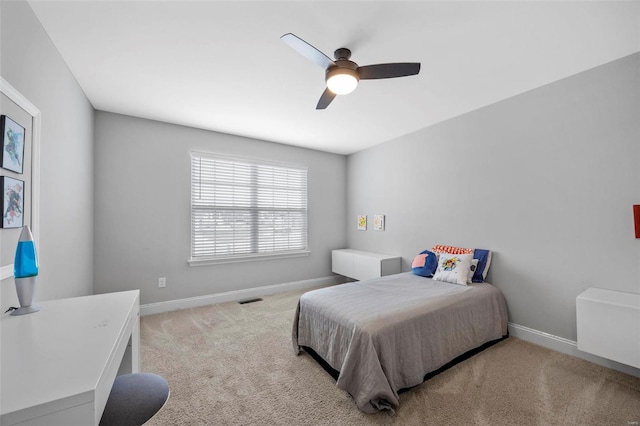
column 232, row 364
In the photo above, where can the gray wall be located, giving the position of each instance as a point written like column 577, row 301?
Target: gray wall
column 33, row 66
column 142, row 216
column 545, row 179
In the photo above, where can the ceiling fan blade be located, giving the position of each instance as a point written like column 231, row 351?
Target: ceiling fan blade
column 401, row 69
column 307, row 50
column 325, row 99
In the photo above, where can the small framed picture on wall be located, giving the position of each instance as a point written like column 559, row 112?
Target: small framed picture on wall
column 12, row 202
column 12, row 154
column 362, row 223
column 378, row 222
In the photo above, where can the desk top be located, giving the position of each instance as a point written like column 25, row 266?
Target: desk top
column 60, row 353
column 611, row 297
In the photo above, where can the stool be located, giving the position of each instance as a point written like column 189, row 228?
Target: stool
column 134, row 399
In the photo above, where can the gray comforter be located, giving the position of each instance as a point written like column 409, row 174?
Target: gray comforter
column 385, row 334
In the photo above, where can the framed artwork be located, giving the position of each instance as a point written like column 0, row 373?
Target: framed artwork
column 362, row 223
column 378, row 222
column 12, row 202
column 12, row 154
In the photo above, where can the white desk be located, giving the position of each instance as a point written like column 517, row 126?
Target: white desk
column 58, row 365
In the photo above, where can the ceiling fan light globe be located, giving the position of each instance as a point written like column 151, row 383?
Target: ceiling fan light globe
column 342, row 81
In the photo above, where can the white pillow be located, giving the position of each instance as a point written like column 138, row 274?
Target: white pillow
column 453, row 268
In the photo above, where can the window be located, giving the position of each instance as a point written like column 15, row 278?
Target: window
column 243, row 209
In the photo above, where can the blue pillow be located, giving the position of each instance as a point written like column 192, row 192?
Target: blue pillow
column 484, row 260
column 425, row 264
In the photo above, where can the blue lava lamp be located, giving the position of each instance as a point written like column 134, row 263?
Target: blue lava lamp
column 25, row 272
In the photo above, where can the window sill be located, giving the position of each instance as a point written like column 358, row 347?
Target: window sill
column 252, row 258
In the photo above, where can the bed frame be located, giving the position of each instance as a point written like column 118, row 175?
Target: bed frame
column 381, row 336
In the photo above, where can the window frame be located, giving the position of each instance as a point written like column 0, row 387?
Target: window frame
column 254, row 256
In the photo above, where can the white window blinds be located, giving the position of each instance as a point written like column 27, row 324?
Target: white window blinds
column 243, row 208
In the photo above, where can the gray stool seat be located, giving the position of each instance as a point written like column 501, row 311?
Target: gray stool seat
column 134, row 399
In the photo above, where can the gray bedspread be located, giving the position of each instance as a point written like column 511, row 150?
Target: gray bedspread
column 385, row 334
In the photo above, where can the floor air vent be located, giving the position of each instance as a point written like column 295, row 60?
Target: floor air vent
column 244, row 302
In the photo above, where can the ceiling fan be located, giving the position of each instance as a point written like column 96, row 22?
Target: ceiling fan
column 342, row 75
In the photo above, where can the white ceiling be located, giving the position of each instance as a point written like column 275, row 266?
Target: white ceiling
column 220, row 65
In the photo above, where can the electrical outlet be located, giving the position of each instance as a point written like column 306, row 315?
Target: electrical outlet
column 162, row 282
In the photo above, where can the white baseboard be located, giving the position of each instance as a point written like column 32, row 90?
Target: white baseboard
column 566, row 346
column 232, row 296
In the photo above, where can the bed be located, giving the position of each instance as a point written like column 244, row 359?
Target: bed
column 385, row 334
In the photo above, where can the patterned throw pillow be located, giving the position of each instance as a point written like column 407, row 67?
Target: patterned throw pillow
column 451, row 250
column 484, row 259
column 454, row 268
column 424, row 264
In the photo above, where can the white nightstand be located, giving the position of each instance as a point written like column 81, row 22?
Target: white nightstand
column 362, row 265
column 609, row 325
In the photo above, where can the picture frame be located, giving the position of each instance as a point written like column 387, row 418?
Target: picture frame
column 12, row 202
column 12, row 153
column 378, row 222
column 362, row 222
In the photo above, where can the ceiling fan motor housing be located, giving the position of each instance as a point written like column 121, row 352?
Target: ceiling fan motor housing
column 342, row 78
column 343, row 66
